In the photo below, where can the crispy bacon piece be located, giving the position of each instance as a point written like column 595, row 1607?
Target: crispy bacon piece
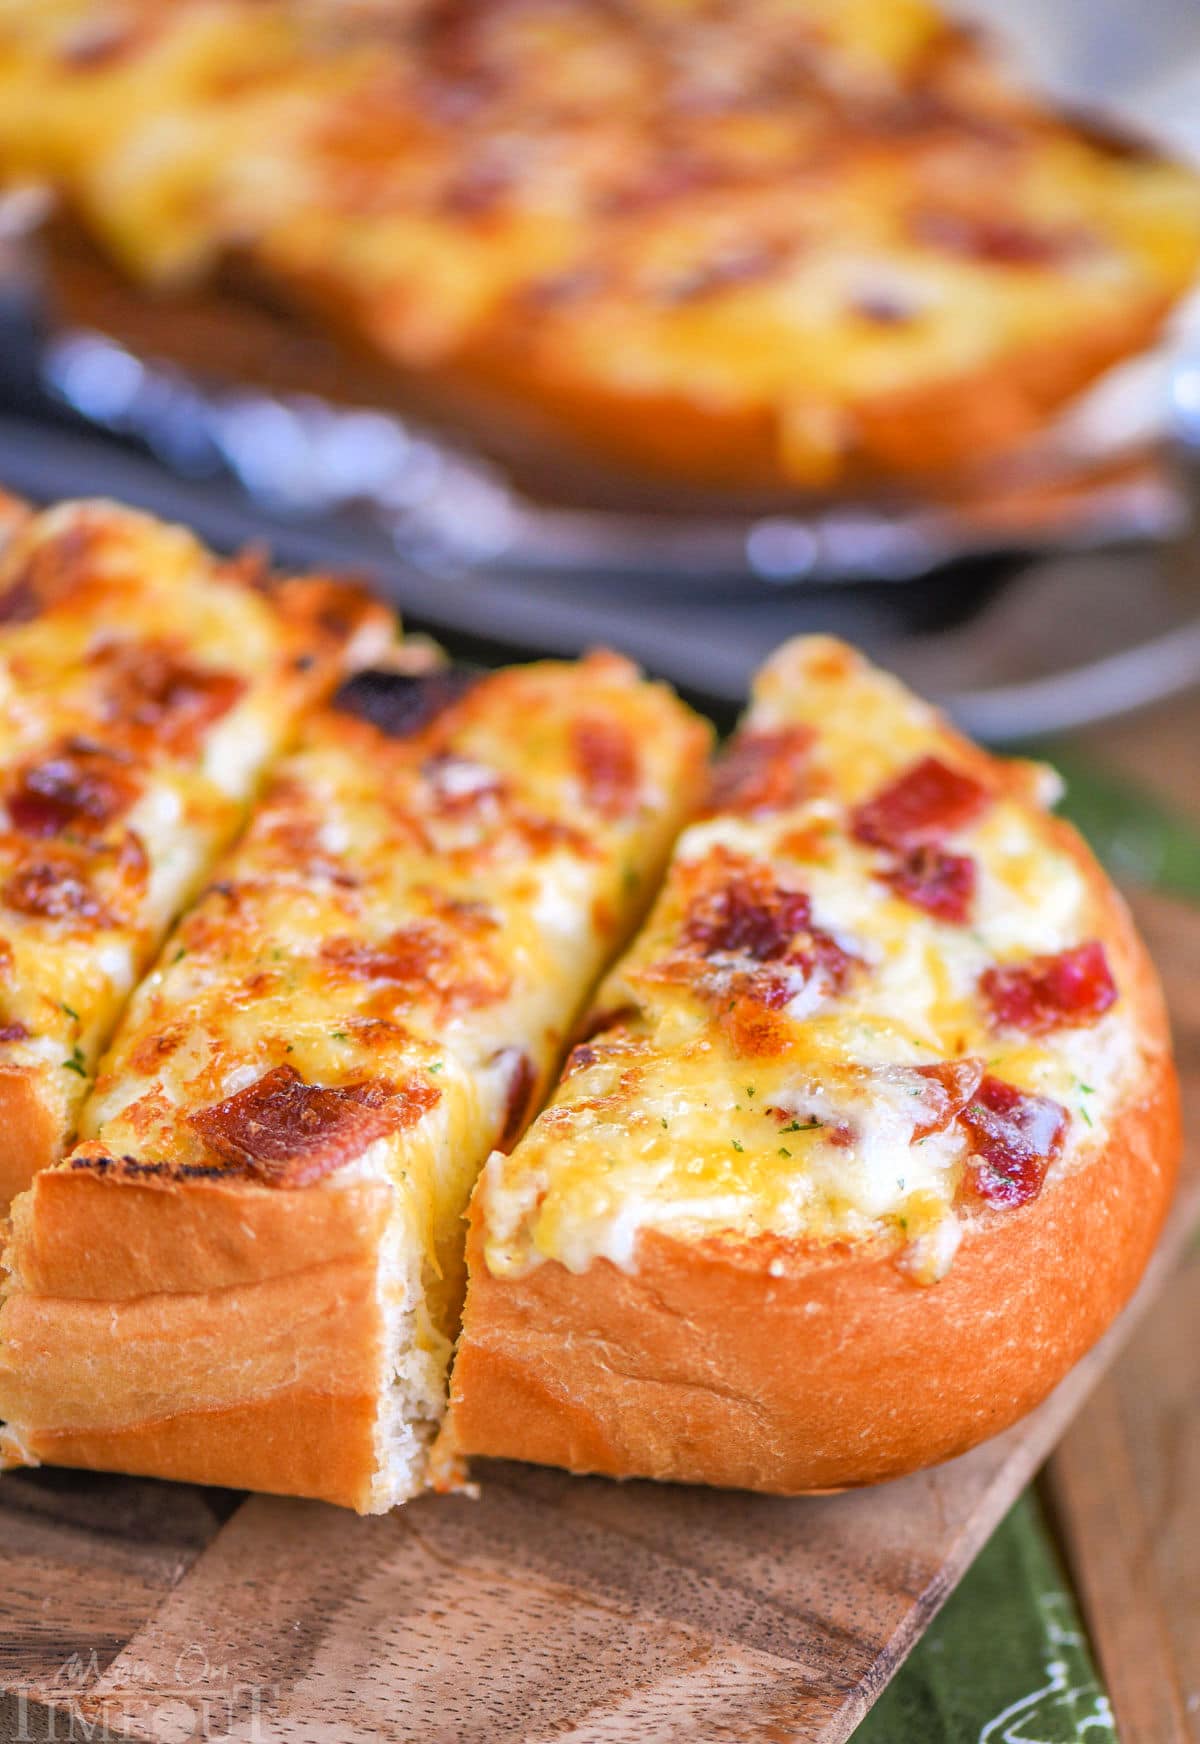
column 762, row 771
column 81, row 787
column 401, row 704
column 748, row 916
column 51, row 571
column 927, row 803
column 522, row 1080
column 1015, row 1137
column 761, row 941
column 156, row 694
column 999, row 240
column 286, row 1132
column 1047, row 993
column 944, row 1091
column 606, row 760
column 54, row 889
column 940, row 883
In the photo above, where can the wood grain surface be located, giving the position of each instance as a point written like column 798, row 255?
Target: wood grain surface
column 552, row 1607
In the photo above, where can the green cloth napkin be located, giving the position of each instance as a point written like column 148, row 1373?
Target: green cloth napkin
column 1007, row 1661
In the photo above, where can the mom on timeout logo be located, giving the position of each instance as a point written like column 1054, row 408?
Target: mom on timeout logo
column 84, row 1704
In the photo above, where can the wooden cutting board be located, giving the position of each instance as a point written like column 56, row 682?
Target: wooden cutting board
column 551, row 1608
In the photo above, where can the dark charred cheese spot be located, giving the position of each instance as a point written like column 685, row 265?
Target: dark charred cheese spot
column 928, row 802
column 606, row 761
column 402, row 704
column 1015, row 1137
column 1047, row 993
column 286, row 1132
column 762, row 771
column 54, row 888
column 942, row 884
column 81, row 787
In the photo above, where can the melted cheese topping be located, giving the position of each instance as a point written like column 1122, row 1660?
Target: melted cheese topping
column 426, row 911
column 804, row 210
column 697, row 1113
column 144, row 686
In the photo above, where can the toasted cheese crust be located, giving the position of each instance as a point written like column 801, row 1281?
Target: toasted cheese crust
column 887, row 1036
column 362, row 1004
column 781, row 245
column 144, row 687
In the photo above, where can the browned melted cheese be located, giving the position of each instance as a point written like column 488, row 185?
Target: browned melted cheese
column 394, row 952
column 144, row 686
column 798, row 215
column 798, row 1046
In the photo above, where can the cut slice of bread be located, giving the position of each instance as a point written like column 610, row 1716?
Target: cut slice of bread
column 145, row 685
column 871, row 1137
column 250, row 1269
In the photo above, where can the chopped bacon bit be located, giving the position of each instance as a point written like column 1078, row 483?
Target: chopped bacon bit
column 54, row 890
column 747, row 916
column 14, row 1032
column 940, row 883
column 930, row 801
column 522, row 1081
column 762, row 771
column 154, row 691
column 1016, row 1136
column 402, row 704
column 53, row 569
column 762, row 945
column 81, row 787
column 100, row 42
column 945, row 1090
column 1003, row 241
column 606, row 759
column 286, row 1132
column 1051, row 992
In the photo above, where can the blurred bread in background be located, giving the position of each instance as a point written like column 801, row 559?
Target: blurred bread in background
column 780, row 248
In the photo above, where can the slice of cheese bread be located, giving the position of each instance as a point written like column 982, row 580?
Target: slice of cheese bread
column 872, row 1135
column 820, row 245
column 250, row 1270
column 144, row 687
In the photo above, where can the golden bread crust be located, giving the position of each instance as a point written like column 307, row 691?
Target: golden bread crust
column 820, row 248
column 31, row 1130
column 194, row 1331
column 757, row 1365
column 256, row 1250
column 761, row 1358
column 293, row 1443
